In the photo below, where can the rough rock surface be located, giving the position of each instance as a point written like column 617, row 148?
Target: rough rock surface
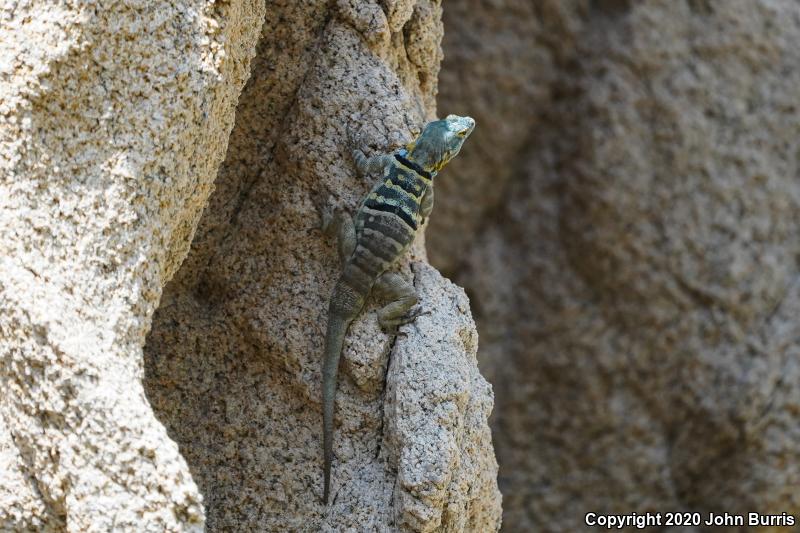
column 113, row 122
column 234, row 357
column 635, row 272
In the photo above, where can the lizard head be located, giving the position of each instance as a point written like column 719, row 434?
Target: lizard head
column 440, row 141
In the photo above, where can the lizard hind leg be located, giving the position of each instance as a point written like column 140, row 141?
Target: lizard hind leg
column 341, row 224
column 402, row 298
column 347, row 237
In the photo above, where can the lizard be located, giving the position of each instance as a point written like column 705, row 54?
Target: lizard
column 376, row 239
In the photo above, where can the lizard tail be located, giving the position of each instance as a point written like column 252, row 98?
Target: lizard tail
column 334, row 340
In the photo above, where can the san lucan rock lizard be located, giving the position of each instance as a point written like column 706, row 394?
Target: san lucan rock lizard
column 373, row 241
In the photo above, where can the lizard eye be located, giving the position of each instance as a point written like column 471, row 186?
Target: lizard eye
column 462, row 133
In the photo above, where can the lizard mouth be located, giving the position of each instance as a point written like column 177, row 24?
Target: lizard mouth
column 465, row 126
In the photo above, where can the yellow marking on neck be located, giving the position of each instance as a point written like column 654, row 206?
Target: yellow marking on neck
column 401, row 165
column 404, row 167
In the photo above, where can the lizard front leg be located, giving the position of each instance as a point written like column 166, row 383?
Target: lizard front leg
column 402, row 297
column 374, row 165
column 426, row 205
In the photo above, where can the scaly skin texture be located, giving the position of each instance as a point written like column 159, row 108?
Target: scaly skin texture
column 383, row 228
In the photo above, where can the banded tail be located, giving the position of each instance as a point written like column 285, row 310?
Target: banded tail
column 343, row 309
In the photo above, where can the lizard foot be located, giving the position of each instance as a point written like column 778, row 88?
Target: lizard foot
column 390, row 325
column 355, row 139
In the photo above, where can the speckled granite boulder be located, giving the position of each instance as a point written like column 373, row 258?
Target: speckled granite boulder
column 114, row 118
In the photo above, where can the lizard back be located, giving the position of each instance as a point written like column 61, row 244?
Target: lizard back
column 387, row 222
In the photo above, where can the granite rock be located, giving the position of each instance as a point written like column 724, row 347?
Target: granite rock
column 113, row 122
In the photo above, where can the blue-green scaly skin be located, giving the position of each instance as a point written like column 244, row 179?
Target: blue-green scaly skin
column 386, row 223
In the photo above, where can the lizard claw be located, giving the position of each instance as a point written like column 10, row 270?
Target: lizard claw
column 355, row 141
